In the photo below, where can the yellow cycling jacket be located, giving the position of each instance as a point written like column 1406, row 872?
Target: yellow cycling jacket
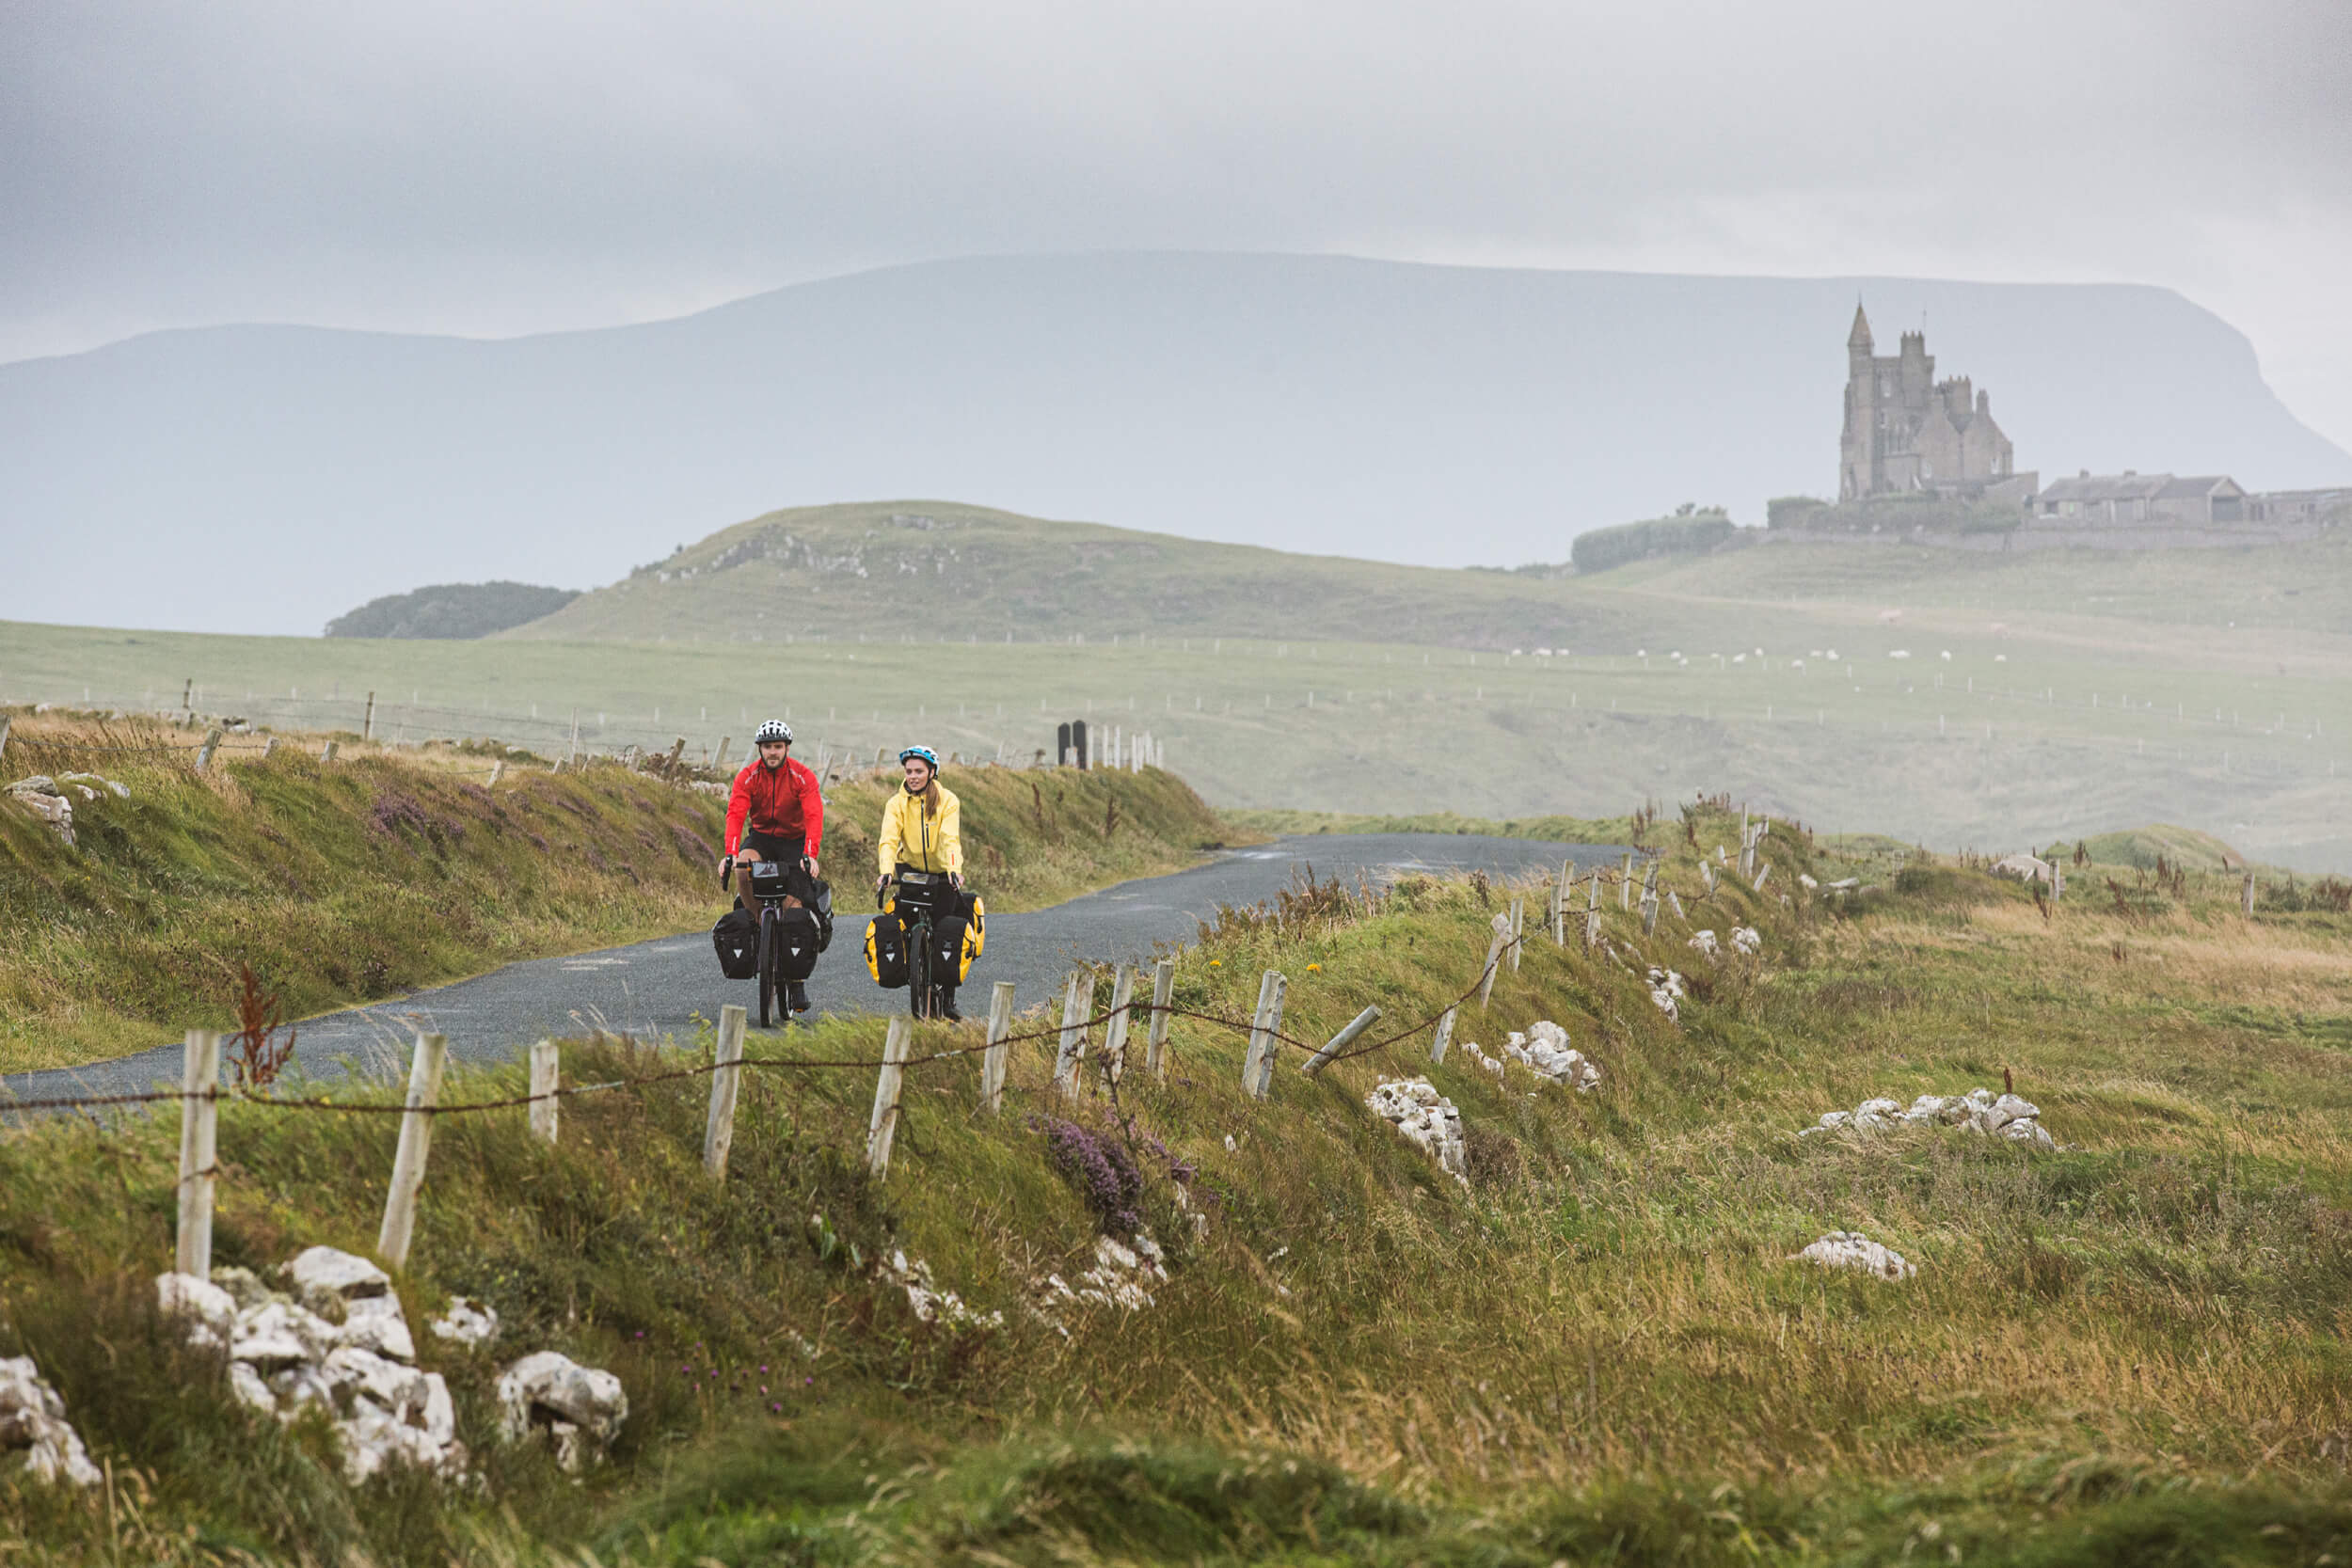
column 924, row 843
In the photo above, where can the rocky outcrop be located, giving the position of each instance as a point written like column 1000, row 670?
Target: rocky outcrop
column 1544, row 1051
column 1666, row 993
column 1424, row 1118
column 2003, row 1115
column 337, row 1342
column 579, row 1409
column 465, row 1323
column 1851, row 1249
column 33, row 1425
column 1123, row 1276
column 928, row 1301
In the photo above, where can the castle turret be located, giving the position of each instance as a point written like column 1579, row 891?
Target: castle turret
column 1857, row 452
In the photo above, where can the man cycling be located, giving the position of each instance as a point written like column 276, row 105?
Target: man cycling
column 777, row 813
column 921, row 848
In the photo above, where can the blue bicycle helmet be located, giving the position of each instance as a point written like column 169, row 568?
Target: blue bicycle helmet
column 925, row 753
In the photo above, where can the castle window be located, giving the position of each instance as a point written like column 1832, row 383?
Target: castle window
column 1881, row 419
column 1886, row 386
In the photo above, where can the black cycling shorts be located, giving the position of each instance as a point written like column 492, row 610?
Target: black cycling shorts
column 769, row 847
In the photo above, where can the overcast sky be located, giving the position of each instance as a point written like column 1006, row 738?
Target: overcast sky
column 493, row 169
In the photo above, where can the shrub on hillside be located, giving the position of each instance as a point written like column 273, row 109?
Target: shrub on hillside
column 451, row 609
column 1690, row 530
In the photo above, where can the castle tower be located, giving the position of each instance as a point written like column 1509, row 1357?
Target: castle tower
column 1858, row 448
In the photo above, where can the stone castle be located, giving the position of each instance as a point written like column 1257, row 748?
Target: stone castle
column 1907, row 431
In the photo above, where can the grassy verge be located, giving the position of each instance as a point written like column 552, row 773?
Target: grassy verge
column 1559, row 829
column 2130, row 1350
column 382, row 871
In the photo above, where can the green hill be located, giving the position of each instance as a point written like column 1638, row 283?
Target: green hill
column 889, row 570
column 451, row 609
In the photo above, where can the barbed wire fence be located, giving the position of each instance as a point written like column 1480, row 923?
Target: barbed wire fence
column 201, row 1091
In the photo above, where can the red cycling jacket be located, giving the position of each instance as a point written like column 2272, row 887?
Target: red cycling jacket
column 782, row 802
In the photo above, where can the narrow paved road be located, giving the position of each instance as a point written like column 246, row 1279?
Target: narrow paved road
column 654, row 988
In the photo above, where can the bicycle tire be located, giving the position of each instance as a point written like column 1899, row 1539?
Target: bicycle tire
column 920, row 968
column 767, row 964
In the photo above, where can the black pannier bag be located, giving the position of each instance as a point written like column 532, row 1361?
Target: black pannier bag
column 795, row 936
column 886, row 948
column 822, row 907
column 737, row 938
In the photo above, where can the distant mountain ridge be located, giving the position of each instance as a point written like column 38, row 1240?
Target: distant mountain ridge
column 451, row 609
column 1441, row 415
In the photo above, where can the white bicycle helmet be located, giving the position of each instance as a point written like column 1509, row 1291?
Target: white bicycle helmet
column 773, row 729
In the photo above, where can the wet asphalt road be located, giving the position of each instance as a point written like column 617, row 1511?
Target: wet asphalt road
column 655, row 988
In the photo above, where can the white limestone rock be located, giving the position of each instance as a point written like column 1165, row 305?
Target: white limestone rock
column 1666, row 993
column 1544, row 1049
column 465, row 1323
column 33, row 1424
column 931, row 1303
column 580, row 1408
column 207, row 1313
column 280, row 1335
column 1980, row 1111
column 2024, row 868
column 322, row 1275
column 1427, row 1119
column 1851, row 1249
column 377, row 1324
column 1746, row 940
column 1704, row 944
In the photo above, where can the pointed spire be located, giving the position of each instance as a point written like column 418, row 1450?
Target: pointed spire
column 1859, row 337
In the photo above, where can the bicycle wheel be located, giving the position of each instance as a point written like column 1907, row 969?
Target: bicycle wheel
column 767, row 964
column 920, row 968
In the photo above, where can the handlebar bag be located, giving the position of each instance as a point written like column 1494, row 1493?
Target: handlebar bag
column 769, row 878
column 737, row 938
column 886, row 948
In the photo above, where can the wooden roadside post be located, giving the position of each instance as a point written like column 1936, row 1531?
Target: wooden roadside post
column 1762, row 877
column 204, row 753
column 1518, row 926
column 1591, row 911
column 2246, row 893
column 718, row 757
column 1077, row 997
column 993, row 1060
column 1155, row 1039
column 719, row 1130
column 416, row 1141
column 1115, row 1027
column 199, row 1136
column 327, row 752
column 367, row 722
column 1494, row 958
column 498, row 771
column 545, row 1066
column 1257, row 1063
column 1560, row 904
column 1444, row 1036
column 1649, row 898
column 1332, row 1046
column 1624, row 885
column 884, row 1127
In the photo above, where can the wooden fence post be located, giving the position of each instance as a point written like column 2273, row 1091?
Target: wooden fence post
column 718, row 757
column 1624, row 885
column 1257, row 1066
column 2246, row 895
column 1518, row 926
column 204, row 753
column 1156, row 1039
column 884, row 1127
column 1444, row 1038
column 416, row 1140
column 1077, row 996
column 719, row 1130
column 199, row 1124
column 1494, row 958
column 1591, row 911
column 1331, row 1048
column 327, row 752
column 1560, row 904
column 545, row 1069
column 993, row 1060
column 1649, row 898
column 1763, row 874
column 1114, row 1028
column 498, row 771
column 367, row 724
column 5, row 721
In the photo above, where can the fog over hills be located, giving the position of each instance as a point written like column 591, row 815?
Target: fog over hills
column 267, row 477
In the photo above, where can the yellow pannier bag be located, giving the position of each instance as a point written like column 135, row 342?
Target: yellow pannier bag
column 975, row 937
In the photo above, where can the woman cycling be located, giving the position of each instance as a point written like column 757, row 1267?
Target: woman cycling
column 777, row 813
column 922, row 850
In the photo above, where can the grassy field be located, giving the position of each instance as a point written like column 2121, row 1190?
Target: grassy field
column 2015, row 739
column 382, row 871
column 2128, row 1350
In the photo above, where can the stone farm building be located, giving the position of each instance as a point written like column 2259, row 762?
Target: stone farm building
column 1907, row 431
column 2136, row 498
